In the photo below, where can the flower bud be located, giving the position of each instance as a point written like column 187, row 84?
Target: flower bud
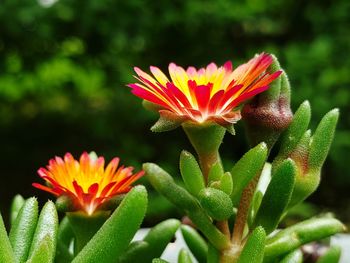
column 269, row 113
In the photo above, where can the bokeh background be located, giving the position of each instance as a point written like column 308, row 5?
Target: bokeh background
column 64, row 66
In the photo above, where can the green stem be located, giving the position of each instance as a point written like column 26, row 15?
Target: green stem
column 206, row 140
column 85, row 226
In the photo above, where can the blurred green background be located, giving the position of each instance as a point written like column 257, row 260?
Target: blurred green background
column 64, row 66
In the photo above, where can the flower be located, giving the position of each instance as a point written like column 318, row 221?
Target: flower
column 205, row 94
column 86, row 182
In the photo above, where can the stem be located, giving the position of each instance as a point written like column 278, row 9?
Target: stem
column 224, row 228
column 243, row 211
column 230, row 255
column 206, row 161
column 85, row 226
column 206, row 140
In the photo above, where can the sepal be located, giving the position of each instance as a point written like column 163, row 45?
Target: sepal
column 167, row 121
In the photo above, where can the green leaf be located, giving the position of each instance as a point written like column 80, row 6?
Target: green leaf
column 295, row 236
column 159, row 237
column 122, row 226
column 306, row 181
column 277, row 196
column 285, row 92
column 6, row 253
column 296, row 129
column 255, row 205
column 332, row 255
column 246, row 169
column 16, row 205
column 216, row 203
column 195, row 242
column 322, row 140
column 191, row 173
column 273, row 93
column 295, row 256
column 43, row 252
column 215, row 173
column 213, row 254
column 226, row 183
column 85, row 226
column 253, row 250
column 165, row 185
column 136, row 250
column 159, row 260
column 47, row 228
column 184, row 257
column 65, row 237
column 23, row 228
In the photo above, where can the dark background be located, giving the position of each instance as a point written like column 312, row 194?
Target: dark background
column 64, row 67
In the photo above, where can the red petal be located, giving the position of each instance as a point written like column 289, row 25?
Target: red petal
column 214, row 101
column 93, row 189
column 202, row 94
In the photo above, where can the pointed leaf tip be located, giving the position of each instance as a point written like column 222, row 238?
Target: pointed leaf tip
column 191, row 173
column 322, row 139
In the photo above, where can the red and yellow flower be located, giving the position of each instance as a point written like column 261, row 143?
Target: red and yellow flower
column 86, row 182
column 206, row 94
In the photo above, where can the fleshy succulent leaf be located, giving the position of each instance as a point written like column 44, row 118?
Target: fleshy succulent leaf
column 246, row 169
column 195, row 243
column 322, row 140
column 277, row 196
column 296, row 129
column 23, row 228
column 46, row 228
column 226, row 183
column 65, row 237
column 16, row 205
column 166, row 186
column 184, row 256
column 332, row 255
column 159, row 237
column 215, row 173
column 6, row 253
column 124, row 222
column 295, row 256
column 191, row 173
column 253, row 250
column 43, row 251
column 304, row 232
column 216, row 203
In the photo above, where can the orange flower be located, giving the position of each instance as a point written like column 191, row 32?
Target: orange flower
column 209, row 93
column 86, row 181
